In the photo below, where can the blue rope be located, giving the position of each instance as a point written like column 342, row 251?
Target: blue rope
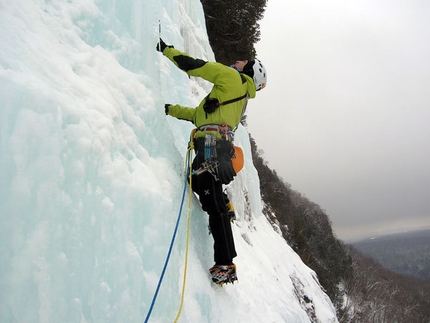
column 171, row 242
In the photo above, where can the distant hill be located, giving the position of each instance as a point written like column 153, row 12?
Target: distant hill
column 404, row 253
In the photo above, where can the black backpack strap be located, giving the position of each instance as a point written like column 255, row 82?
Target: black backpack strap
column 233, row 100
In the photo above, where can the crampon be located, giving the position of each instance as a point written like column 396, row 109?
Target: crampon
column 223, row 274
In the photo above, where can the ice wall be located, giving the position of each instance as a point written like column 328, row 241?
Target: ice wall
column 92, row 176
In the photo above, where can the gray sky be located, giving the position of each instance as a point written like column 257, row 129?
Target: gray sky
column 345, row 116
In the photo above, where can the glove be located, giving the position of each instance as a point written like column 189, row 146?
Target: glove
column 225, row 147
column 162, row 45
column 166, row 108
column 225, row 152
column 226, row 171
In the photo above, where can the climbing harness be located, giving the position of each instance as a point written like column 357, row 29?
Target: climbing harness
column 211, row 163
column 187, row 175
column 224, row 131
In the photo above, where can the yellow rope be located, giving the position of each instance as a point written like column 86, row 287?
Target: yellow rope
column 190, row 200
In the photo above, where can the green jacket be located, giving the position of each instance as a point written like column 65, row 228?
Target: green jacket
column 228, row 84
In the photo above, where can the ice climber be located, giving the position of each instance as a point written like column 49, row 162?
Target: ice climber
column 216, row 118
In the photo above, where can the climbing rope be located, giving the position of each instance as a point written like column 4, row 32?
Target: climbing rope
column 190, row 202
column 188, row 167
column 187, row 172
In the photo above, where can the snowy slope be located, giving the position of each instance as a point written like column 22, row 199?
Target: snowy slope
column 92, row 176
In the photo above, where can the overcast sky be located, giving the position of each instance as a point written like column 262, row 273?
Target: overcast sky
column 345, row 116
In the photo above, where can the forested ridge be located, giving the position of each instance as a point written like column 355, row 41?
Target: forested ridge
column 306, row 228
column 404, row 253
column 361, row 289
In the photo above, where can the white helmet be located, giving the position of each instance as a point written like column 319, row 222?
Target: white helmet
column 256, row 70
column 260, row 76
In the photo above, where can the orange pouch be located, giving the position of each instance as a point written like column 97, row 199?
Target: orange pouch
column 237, row 160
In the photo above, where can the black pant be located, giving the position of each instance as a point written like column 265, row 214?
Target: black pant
column 214, row 202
